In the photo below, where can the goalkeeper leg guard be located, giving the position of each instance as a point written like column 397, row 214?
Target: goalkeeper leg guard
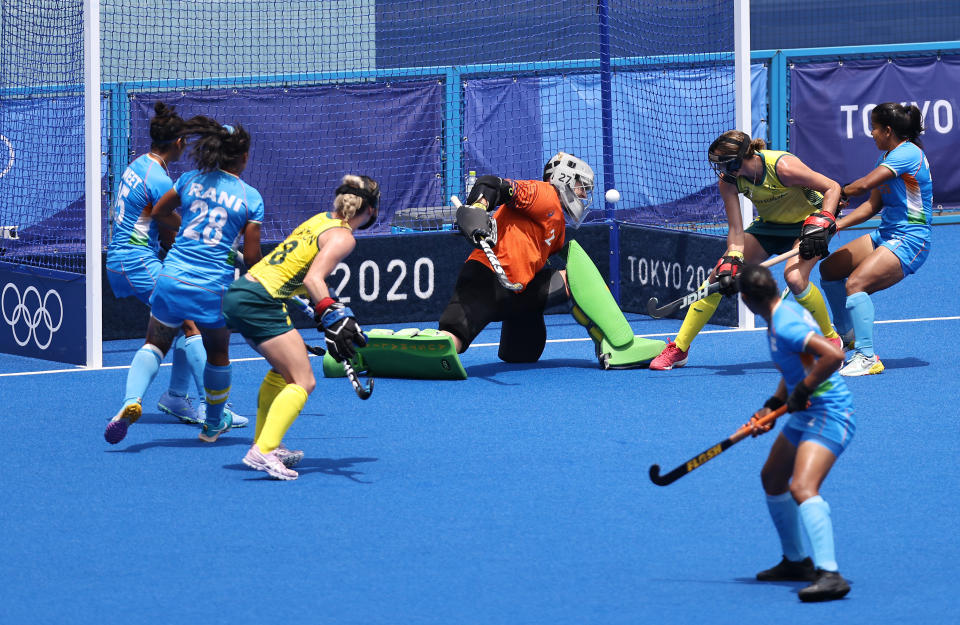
column 595, row 309
column 408, row 353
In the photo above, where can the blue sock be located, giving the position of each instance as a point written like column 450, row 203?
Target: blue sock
column 180, row 372
column 860, row 307
column 836, row 293
column 197, row 358
column 815, row 515
column 216, row 381
column 786, row 518
column 143, row 369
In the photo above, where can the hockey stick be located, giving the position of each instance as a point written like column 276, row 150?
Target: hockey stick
column 712, row 452
column 494, row 261
column 362, row 392
column 658, row 312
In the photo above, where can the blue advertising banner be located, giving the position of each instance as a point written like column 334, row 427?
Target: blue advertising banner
column 410, row 277
column 830, row 106
column 668, row 264
column 43, row 314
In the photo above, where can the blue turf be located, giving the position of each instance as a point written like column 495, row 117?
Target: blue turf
column 517, row 496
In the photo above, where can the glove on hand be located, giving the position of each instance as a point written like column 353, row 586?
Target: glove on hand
column 799, row 398
column 815, row 235
column 477, row 225
column 340, row 329
column 727, row 269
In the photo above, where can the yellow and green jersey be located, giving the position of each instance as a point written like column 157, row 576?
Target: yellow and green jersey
column 281, row 272
column 775, row 202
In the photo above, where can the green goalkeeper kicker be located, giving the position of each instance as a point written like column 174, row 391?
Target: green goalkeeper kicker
column 408, row 353
column 595, row 309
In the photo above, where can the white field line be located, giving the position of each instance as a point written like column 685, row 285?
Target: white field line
column 727, row 331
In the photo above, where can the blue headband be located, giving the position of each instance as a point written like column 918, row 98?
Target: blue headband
column 230, row 129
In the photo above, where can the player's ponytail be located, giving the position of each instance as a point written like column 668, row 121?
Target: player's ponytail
column 352, row 193
column 905, row 121
column 218, row 146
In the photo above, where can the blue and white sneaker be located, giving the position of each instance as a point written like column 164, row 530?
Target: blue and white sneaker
column 859, row 365
column 210, row 435
column 238, row 421
column 179, row 407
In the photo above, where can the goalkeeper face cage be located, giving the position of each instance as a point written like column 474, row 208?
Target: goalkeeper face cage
column 573, row 180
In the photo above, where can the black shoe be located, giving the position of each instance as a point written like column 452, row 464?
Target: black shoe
column 789, row 571
column 827, row 586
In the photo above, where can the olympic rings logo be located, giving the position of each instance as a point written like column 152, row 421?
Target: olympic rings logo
column 19, row 313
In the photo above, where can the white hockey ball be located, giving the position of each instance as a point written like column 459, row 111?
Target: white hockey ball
column 612, row 196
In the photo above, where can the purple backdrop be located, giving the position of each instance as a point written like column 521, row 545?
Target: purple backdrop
column 304, row 140
column 830, row 107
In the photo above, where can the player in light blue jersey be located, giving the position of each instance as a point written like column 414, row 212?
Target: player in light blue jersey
column 135, row 251
column 218, row 210
column 901, row 190
column 820, row 427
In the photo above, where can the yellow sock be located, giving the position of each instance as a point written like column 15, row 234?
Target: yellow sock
column 698, row 315
column 284, row 411
column 812, row 300
column 271, row 386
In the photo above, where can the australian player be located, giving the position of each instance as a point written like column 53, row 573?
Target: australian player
column 255, row 306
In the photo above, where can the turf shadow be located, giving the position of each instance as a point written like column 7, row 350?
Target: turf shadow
column 226, row 441
column 329, row 466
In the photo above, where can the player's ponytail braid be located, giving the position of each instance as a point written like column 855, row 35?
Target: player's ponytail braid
column 348, row 204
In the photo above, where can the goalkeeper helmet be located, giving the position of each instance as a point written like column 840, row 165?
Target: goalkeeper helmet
column 573, row 180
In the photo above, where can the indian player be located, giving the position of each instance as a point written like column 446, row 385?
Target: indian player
column 821, row 426
column 135, row 251
column 256, row 306
column 795, row 207
column 218, row 209
column 901, row 190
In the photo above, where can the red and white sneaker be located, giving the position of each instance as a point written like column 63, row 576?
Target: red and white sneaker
column 670, row 357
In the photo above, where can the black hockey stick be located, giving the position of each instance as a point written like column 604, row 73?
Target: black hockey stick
column 658, row 312
column 712, row 452
column 362, row 392
column 494, row 261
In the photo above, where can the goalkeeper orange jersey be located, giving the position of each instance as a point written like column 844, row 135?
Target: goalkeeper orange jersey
column 530, row 227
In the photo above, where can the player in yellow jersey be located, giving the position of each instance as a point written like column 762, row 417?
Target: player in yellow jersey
column 795, row 206
column 255, row 306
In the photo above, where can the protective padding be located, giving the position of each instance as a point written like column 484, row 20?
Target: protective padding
column 594, row 300
column 407, row 353
column 638, row 353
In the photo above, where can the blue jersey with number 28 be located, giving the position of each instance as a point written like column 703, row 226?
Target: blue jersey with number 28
column 216, row 207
